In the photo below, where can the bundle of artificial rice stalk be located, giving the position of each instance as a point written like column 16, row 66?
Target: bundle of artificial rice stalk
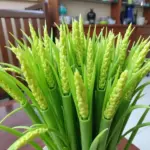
column 79, row 88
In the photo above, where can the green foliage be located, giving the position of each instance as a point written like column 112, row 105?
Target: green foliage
column 77, row 91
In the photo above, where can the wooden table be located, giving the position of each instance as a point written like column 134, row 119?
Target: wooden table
column 21, row 119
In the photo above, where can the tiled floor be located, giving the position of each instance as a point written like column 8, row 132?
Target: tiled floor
column 142, row 140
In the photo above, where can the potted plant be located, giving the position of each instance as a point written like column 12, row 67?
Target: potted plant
column 78, row 91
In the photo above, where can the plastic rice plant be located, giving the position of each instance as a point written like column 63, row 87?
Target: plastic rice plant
column 78, row 90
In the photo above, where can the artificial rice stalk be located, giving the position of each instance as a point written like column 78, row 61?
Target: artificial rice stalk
column 18, row 134
column 69, row 118
column 10, row 86
column 112, row 105
column 98, row 140
column 68, row 109
column 105, row 124
column 49, row 116
column 57, row 102
column 124, row 122
column 97, row 114
column 86, row 133
column 122, row 108
column 28, row 137
column 80, row 88
column 84, row 114
column 33, row 116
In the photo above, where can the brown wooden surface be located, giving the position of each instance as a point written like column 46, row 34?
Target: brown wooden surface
column 21, row 119
column 18, row 27
column 3, row 43
column 53, row 6
column 34, row 23
column 10, row 38
column 38, row 6
column 115, row 11
column 21, row 13
column 21, row 21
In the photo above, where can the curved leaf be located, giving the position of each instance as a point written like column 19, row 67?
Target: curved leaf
column 135, row 131
column 97, row 140
column 11, row 113
column 18, row 134
column 136, row 127
column 123, row 117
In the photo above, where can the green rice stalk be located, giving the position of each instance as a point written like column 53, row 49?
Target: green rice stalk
column 27, row 137
column 90, row 64
column 86, row 133
column 106, row 63
column 105, row 124
column 98, row 140
column 137, row 77
column 62, row 41
column 122, row 108
column 43, row 52
column 112, row 106
column 11, row 88
column 35, row 119
column 48, row 114
column 83, row 109
column 81, row 96
column 18, row 134
column 141, row 57
column 97, row 110
column 139, row 49
column 69, row 118
column 115, row 96
column 125, row 103
column 57, row 106
column 51, row 123
column 124, row 46
column 37, row 93
column 64, row 75
column 76, row 42
column 81, row 31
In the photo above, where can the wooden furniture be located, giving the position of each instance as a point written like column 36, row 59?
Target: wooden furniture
column 21, row 119
column 38, row 6
column 13, row 21
column 143, row 31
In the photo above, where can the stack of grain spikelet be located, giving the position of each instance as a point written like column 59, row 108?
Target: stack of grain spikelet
column 79, row 88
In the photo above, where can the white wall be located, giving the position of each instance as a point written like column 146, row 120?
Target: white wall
column 15, row 5
column 76, row 7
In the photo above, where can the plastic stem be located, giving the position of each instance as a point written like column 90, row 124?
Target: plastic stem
column 69, row 116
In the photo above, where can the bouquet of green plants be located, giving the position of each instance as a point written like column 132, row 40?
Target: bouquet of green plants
column 77, row 90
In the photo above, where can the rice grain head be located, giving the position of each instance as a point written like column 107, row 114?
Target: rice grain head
column 139, row 49
column 141, row 57
column 48, row 73
column 106, row 63
column 81, row 31
column 115, row 96
column 64, row 75
column 28, row 137
column 11, row 88
column 124, row 46
column 90, row 63
column 76, row 42
column 140, row 75
column 32, row 83
column 62, row 41
column 81, row 95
